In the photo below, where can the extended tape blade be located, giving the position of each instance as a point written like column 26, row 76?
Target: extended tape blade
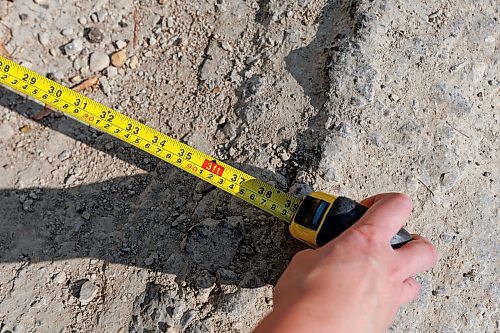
column 114, row 123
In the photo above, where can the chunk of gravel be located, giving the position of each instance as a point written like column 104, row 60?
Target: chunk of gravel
column 75, row 46
column 99, row 61
column 88, row 292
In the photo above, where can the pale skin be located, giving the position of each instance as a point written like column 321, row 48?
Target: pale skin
column 355, row 283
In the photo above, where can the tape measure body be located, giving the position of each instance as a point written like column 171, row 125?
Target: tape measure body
column 114, row 123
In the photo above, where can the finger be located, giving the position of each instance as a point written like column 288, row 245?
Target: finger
column 387, row 212
column 416, row 256
column 409, row 290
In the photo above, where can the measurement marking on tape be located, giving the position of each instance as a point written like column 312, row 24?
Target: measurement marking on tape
column 114, row 123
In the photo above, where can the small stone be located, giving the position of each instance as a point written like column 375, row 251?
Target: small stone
column 449, row 179
column 99, row 61
column 94, row 18
column 82, row 20
column 285, row 156
column 27, row 205
column 104, row 83
column 234, row 76
column 162, row 2
column 43, row 38
column 70, row 180
column 226, row 276
column 134, row 62
column 170, row 22
column 111, row 72
column 60, row 278
column 118, row 58
column 54, row 52
column 394, row 97
column 152, row 41
column 226, row 46
column 75, row 79
column 94, row 35
column 149, row 261
column 86, row 215
column 412, row 184
column 120, row 44
column 43, row 3
column 33, row 195
column 64, row 155
column 109, row 145
column 88, row 292
column 446, row 238
column 179, row 202
column 67, row 32
column 75, row 46
column 179, row 220
column 490, row 39
column 6, row 132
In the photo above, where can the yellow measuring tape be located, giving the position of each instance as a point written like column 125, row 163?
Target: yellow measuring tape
column 112, row 122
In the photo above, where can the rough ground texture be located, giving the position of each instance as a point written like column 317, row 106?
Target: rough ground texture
column 349, row 97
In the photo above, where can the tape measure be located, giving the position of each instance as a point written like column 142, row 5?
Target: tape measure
column 318, row 218
column 114, row 123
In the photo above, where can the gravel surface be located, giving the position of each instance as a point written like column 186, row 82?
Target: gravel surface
column 348, row 97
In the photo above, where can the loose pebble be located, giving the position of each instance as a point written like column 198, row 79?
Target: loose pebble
column 98, row 61
column 75, row 46
column 43, row 38
column 6, row 132
column 88, row 292
column 94, row 35
column 119, row 58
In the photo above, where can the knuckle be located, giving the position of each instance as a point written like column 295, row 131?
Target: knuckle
column 364, row 236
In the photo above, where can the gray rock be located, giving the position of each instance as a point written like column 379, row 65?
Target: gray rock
column 75, row 46
column 212, row 244
column 27, row 205
column 252, row 86
column 205, row 280
column 64, row 155
column 226, row 276
column 104, row 83
column 43, row 38
column 6, row 132
column 120, row 44
column 67, row 32
column 86, row 215
column 88, row 292
column 94, row 35
column 99, row 61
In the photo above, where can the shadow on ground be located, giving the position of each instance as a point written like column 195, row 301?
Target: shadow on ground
column 156, row 220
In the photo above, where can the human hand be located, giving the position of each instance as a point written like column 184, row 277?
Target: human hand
column 356, row 282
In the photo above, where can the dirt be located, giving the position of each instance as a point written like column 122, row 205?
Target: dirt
column 347, row 97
